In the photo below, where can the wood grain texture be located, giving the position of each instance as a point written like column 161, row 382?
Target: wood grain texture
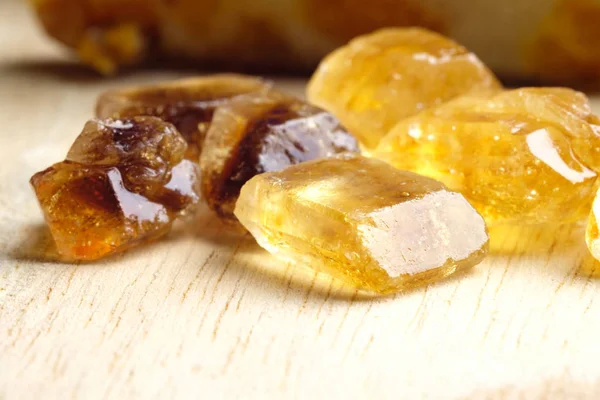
column 207, row 314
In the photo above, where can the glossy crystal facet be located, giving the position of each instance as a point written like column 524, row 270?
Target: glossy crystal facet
column 378, row 79
column 123, row 183
column 529, row 155
column 363, row 221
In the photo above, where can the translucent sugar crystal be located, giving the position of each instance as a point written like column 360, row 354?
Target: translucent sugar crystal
column 529, row 155
column 378, row 79
column 123, row 183
column 263, row 132
column 363, row 221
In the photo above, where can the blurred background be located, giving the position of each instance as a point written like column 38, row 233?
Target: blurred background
column 552, row 42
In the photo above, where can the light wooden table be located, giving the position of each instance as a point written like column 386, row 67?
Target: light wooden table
column 208, row 314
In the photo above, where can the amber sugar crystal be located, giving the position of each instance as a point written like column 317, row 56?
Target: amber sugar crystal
column 363, row 221
column 188, row 104
column 264, row 132
column 380, row 78
column 529, row 155
column 123, row 182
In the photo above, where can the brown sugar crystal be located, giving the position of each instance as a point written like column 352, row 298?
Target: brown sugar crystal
column 264, row 132
column 123, row 183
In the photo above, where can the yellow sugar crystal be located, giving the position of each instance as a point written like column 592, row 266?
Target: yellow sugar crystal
column 378, row 79
column 361, row 220
column 522, row 156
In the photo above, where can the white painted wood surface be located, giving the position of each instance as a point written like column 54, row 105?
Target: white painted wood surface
column 208, row 314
